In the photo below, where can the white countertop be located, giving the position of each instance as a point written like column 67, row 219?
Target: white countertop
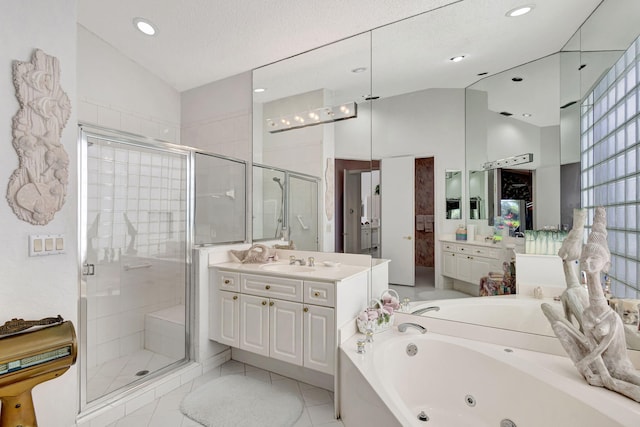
column 320, row 271
column 473, row 242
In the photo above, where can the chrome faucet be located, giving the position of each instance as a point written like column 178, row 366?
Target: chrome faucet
column 425, row 309
column 293, row 260
column 402, row 327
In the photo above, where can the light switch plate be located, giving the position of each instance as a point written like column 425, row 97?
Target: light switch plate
column 46, row 244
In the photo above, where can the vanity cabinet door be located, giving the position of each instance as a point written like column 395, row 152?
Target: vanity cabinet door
column 254, row 324
column 227, row 326
column 449, row 264
column 319, row 338
column 480, row 267
column 463, row 268
column 285, row 339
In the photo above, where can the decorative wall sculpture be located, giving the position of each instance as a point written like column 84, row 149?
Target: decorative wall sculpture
column 37, row 189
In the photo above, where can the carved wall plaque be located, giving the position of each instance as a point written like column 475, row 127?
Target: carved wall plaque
column 37, row 189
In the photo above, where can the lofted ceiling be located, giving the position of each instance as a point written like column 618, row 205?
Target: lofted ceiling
column 200, row 41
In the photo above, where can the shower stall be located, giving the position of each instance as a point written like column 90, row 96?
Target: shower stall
column 285, row 206
column 135, row 244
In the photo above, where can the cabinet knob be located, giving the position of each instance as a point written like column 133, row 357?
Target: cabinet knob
column 306, row 309
column 264, row 303
column 407, row 237
column 235, row 297
column 316, row 294
column 271, row 303
column 267, row 287
column 227, row 281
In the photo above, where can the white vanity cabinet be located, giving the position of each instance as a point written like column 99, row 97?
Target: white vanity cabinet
column 469, row 262
column 282, row 318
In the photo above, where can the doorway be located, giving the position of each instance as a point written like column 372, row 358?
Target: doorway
column 407, row 195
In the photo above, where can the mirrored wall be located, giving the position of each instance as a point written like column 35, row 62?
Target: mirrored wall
column 419, row 120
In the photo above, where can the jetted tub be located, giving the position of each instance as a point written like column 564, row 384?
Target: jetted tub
column 513, row 312
column 458, row 383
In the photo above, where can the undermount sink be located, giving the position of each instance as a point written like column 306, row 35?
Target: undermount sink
column 288, row 268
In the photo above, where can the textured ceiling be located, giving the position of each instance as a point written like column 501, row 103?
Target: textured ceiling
column 200, row 41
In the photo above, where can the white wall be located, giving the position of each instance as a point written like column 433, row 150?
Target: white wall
column 429, row 123
column 33, row 288
column 117, row 93
column 216, row 117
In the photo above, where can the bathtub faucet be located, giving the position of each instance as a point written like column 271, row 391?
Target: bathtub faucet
column 425, row 309
column 402, row 327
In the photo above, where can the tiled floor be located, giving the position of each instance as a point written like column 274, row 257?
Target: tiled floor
column 424, row 289
column 165, row 412
column 117, row 373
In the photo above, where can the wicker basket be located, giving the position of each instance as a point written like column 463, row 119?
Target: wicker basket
column 380, row 324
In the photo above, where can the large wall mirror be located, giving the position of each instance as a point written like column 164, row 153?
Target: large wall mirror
column 290, row 98
column 419, row 119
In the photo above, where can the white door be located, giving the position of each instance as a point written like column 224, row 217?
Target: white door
column 254, row 324
column 397, row 176
column 285, row 335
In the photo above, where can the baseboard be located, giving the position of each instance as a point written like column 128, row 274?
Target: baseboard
column 309, row 376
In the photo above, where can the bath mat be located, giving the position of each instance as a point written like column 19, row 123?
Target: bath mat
column 236, row 400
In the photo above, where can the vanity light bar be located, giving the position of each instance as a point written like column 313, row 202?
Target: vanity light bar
column 313, row 117
column 509, row 161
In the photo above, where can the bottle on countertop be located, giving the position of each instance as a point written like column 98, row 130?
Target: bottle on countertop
column 461, row 232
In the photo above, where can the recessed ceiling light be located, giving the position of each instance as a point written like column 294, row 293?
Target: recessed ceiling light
column 145, row 26
column 457, row 58
column 359, row 70
column 483, row 73
column 526, row 115
column 520, row 10
column 516, row 79
column 259, row 90
column 506, row 113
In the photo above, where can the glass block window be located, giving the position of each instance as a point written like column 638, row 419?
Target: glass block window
column 610, row 154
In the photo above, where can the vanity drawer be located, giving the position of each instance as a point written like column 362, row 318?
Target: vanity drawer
column 480, row 251
column 272, row 287
column 450, row 247
column 319, row 293
column 228, row 281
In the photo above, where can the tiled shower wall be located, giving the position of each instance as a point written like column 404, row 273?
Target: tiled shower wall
column 136, row 232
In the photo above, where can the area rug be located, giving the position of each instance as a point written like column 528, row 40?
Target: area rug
column 236, row 400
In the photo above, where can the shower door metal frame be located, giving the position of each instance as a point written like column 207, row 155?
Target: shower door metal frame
column 84, row 132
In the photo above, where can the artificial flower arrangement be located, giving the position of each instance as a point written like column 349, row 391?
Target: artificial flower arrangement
column 378, row 316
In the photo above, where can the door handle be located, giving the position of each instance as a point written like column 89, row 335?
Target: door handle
column 406, row 237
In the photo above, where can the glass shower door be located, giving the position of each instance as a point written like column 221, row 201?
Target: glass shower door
column 134, row 242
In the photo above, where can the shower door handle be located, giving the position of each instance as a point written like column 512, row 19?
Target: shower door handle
column 88, row 269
